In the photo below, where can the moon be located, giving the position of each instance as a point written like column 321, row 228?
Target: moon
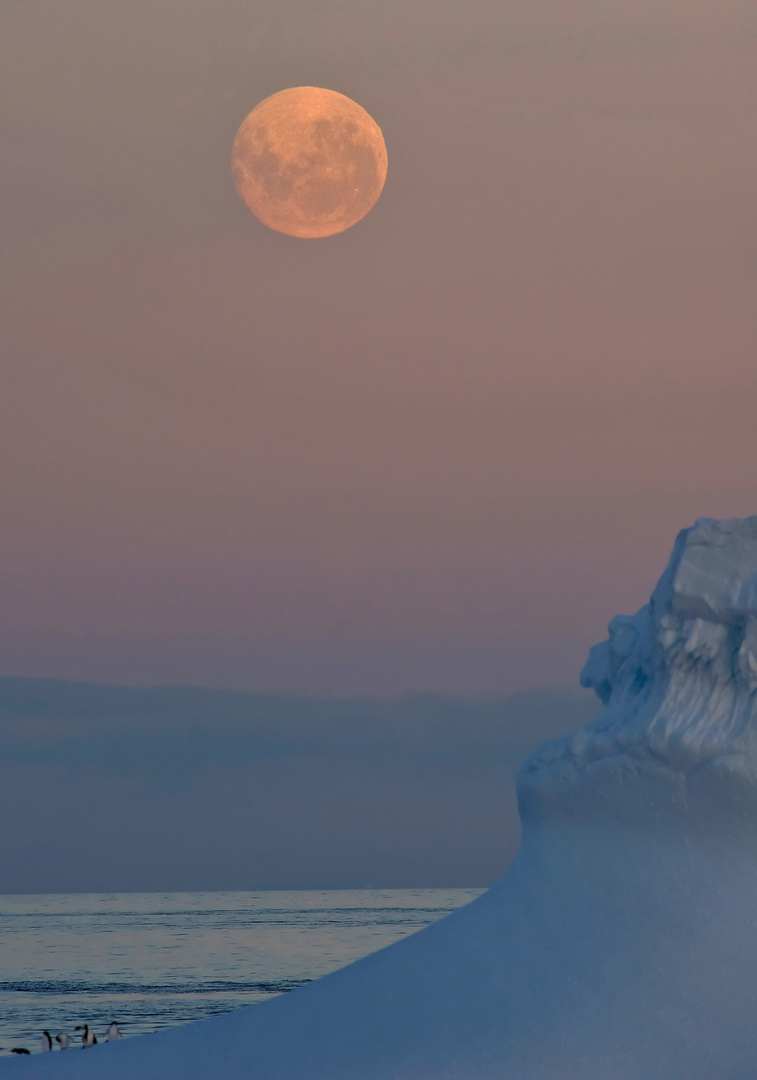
column 309, row 162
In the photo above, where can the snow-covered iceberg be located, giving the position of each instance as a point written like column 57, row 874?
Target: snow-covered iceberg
column 621, row 945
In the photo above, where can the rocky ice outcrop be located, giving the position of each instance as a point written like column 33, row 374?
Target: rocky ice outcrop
column 621, row 945
column 678, row 682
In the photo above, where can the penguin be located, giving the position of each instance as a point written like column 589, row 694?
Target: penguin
column 88, row 1038
column 113, row 1032
column 63, row 1039
column 47, row 1042
column 20, row 1050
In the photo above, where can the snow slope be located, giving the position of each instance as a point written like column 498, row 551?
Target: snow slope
column 622, row 943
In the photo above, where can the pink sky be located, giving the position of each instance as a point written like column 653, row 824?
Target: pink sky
column 438, row 451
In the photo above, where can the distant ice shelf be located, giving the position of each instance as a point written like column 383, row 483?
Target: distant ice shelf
column 621, row 945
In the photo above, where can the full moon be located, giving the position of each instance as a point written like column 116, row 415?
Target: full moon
column 309, row 162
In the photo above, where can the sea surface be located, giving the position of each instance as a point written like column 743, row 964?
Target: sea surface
column 153, row 960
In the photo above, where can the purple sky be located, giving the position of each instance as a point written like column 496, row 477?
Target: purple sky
column 438, row 451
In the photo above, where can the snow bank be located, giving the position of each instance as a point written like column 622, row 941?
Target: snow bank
column 622, row 943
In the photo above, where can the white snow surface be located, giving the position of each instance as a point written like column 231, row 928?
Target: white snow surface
column 622, row 943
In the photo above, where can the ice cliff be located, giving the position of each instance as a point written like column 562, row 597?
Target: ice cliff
column 678, row 682
column 621, row 945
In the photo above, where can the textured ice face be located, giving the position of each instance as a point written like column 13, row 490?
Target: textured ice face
column 678, row 679
column 703, row 611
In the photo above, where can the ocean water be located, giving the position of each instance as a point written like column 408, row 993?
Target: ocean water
column 153, row 960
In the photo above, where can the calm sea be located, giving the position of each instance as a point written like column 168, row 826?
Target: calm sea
column 152, row 960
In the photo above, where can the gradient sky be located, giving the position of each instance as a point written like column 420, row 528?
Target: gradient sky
column 438, row 451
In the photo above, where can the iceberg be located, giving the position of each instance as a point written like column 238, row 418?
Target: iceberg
column 621, row 944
